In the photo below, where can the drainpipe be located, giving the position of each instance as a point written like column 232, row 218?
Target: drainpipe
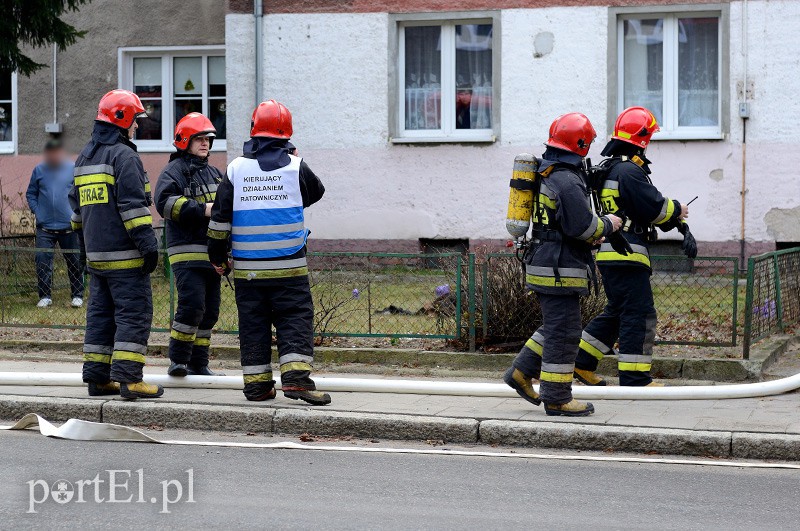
column 55, row 84
column 744, row 114
column 258, row 13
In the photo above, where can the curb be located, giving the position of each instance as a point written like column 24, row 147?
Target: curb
column 718, row 370
column 296, row 421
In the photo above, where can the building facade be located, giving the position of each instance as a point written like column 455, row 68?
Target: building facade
column 171, row 53
column 413, row 111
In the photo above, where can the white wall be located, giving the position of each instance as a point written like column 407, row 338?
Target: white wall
column 331, row 71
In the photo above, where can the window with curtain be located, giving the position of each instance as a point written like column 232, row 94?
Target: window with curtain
column 171, row 84
column 671, row 65
column 8, row 103
column 446, row 81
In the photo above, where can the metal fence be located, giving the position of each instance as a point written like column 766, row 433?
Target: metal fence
column 773, row 295
column 474, row 299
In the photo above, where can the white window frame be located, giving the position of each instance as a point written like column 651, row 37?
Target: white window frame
column 669, row 126
column 10, row 146
column 448, row 132
column 125, row 75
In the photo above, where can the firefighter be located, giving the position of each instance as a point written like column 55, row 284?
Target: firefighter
column 184, row 196
column 111, row 202
column 258, row 214
column 630, row 315
column 559, row 267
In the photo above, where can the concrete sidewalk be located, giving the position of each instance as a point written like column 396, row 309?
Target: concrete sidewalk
column 765, row 428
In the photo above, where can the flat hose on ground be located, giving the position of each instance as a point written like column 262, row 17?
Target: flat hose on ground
column 436, row 387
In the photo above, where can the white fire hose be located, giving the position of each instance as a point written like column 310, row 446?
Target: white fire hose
column 436, row 387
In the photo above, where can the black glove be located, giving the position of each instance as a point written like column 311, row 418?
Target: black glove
column 150, row 262
column 218, row 252
column 619, row 243
column 689, row 244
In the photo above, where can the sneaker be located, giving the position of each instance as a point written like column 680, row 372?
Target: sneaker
column 44, row 302
column 77, row 302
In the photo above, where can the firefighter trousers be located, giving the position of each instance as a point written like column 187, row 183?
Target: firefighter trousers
column 197, row 313
column 118, row 319
column 552, row 362
column 286, row 305
column 630, row 318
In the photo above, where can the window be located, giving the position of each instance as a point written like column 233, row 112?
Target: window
column 671, row 64
column 445, row 81
column 172, row 83
column 8, row 114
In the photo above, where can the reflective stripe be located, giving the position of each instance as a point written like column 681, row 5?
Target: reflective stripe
column 113, row 255
column 147, row 187
column 551, row 282
column 175, row 211
column 98, row 349
column 277, row 273
column 76, row 218
column 555, row 377
column 190, row 248
column 255, row 369
column 180, row 327
column 188, row 257
column 202, row 342
column 138, row 222
column 204, row 333
column 181, row 336
column 95, row 178
column 636, row 358
column 217, row 235
column 134, row 213
column 269, row 264
column 593, row 346
column 594, row 229
column 560, row 368
column 76, row 226
column 534, row 346
column 169, row 203
column 286, row 358
column 544, row 189
column 667, row 209
column 125, row 355
column 257, row 378
column 266, row 229
column 590, row 349
column 119, row 264
column 97, row 358
column 265, row 246
column 637, row 367
column 611, row 185
column 563, row 271
column 95, row 168
column 640, row 254
column 216, row 225
column 295, row 366
column 133, row 347
column 546, row 201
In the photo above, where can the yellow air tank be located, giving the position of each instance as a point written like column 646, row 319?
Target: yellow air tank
column 520, row 197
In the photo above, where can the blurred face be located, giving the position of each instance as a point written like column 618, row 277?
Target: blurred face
column 132, row 130
column 200, row 146
column 54, row 157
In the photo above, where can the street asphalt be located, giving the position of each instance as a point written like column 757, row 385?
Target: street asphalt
column 235, row 488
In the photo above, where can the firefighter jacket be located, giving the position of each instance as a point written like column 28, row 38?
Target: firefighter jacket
column 629, row 193
column 110, row 202
column 186, row 184
column 565, row 228
column 260, row 213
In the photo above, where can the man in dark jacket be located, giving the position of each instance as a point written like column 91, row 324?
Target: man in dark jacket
column 259, row 214
column 184, row 196
column 630, row 315
column 111, row 207
column 559, row 268
column 47, row 194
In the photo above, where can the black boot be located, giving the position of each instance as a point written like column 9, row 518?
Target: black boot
column 259, row 391
column 202, row 370
column 178, row 369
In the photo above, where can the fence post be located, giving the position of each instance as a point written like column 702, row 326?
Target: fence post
column 748, row 310
column 778, row 298
column 471, row 291
column 735, row 299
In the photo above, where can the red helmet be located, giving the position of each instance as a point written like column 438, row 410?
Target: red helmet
column 192, row 125
column 572, row 132
column 635, row 125
column 271, row 119
column 120, row 107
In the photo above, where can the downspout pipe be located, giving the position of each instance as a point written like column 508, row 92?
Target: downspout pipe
column 258, row 15
column 743, row 191
column 437, row 387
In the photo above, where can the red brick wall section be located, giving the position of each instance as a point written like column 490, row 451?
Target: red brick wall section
column 415, row 6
